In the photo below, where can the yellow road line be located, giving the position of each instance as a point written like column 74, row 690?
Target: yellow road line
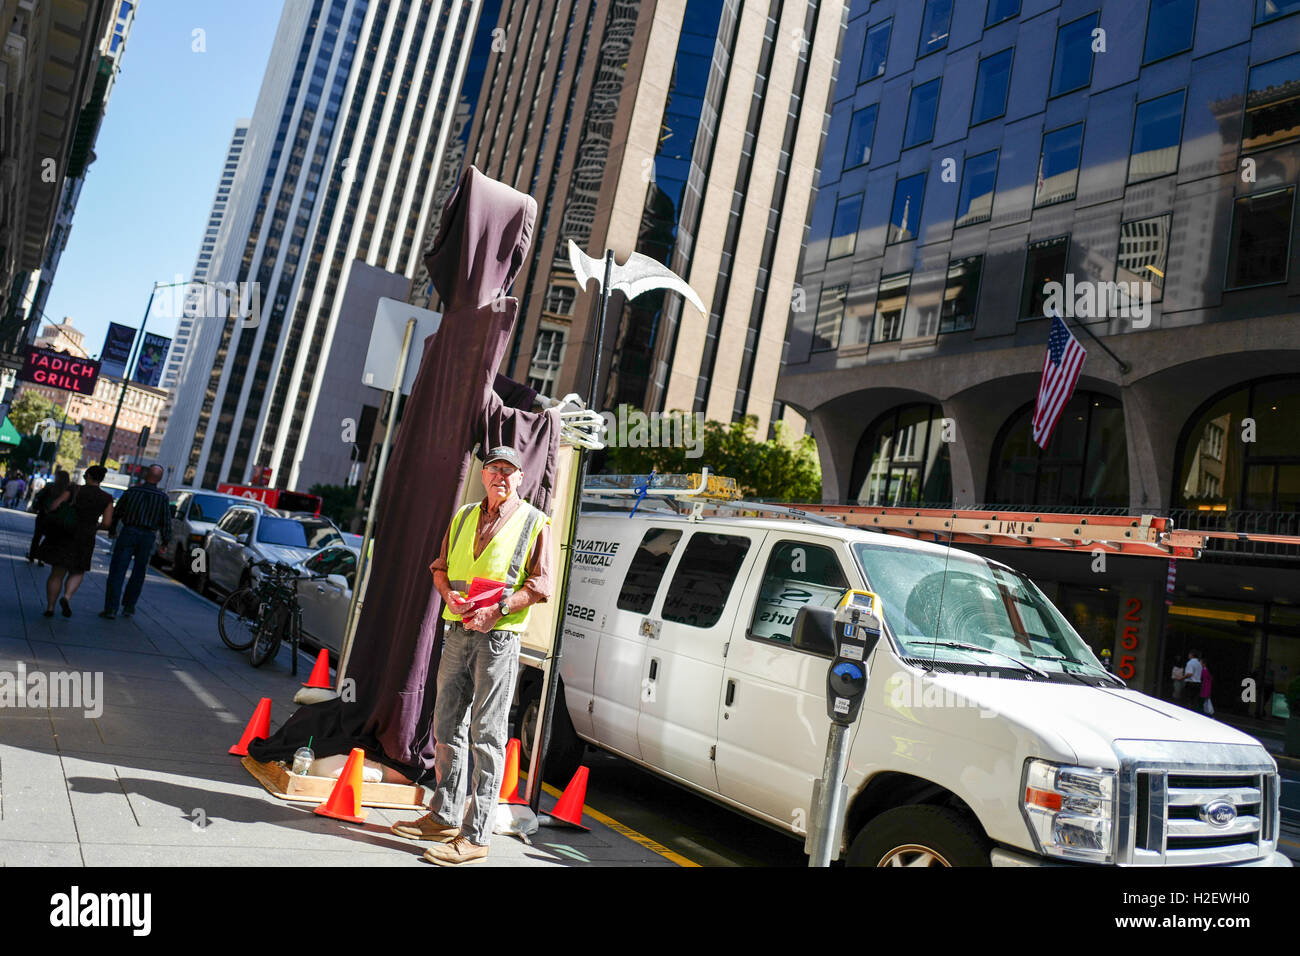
column 638, row 838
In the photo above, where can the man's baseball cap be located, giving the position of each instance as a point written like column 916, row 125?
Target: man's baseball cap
column 504, row 453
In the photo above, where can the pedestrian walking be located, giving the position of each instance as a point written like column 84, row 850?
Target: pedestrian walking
column 14, row 489
column 480, row 656
column 1192, row 679
column 1207, row 685
column 40, row 504
column 34, row 488
column 73, row 517
column 141, row 520
column 1178, row 675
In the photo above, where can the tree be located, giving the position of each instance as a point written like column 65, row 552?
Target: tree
column 784, row 468
column 26, row 413
column 338, row 503
column 30, row 408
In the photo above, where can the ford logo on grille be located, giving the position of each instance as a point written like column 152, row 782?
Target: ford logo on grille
column 1220, row 813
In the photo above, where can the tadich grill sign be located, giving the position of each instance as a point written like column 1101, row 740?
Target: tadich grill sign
column 59, row 370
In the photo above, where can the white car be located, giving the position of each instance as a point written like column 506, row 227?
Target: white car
column 989, row 732
column 250, row 533
column 194, row 513
column 325, row 600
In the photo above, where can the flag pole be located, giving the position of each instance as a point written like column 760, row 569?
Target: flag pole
column 1124, row 367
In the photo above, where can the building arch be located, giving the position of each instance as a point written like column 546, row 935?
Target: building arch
column 903, row 458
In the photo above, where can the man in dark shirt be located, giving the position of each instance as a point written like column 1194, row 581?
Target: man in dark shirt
column 141, row 512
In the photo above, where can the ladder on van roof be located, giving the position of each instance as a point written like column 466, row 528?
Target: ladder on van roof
column 1139, row 535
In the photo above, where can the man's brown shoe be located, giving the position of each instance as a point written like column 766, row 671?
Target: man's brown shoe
column 426, row 828
column 455, row 853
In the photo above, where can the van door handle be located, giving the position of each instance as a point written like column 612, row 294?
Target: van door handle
column 731, row 692
column 654, row 668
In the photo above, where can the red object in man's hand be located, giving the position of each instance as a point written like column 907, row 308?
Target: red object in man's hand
column 484, row 592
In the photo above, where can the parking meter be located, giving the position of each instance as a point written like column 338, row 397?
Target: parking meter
column 857, row 629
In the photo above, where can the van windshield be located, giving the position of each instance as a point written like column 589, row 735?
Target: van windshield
column 971, row 601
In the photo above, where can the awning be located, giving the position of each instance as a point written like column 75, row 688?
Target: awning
column 8, row 434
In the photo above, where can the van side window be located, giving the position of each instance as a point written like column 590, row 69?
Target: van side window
column 704, row 579
column 647, row 570
column 798, row 575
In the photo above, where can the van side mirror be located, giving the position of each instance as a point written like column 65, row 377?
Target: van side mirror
column 814, row 631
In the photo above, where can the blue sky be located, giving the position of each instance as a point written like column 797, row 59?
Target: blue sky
column 159, row 154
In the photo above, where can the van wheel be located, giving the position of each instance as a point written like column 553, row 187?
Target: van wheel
column 566, row 750
column 920, row 836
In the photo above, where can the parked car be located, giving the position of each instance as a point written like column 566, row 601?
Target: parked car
column 248, row 533
column 989, row 733
column 325, row 600
column 195, row 512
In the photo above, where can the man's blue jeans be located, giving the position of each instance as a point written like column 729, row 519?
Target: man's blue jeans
column 131, row 544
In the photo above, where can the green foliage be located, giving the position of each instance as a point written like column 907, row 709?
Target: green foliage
column 338, row 503
column 783, row 469
column 30, row 408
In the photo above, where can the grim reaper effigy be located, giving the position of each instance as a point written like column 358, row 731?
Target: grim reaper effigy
column 457, row 402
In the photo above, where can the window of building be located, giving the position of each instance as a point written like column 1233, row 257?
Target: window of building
column 874, row 52
column 1260, row 238
column 1144, row 253
column 1044, row 262
column 992, row 80
column 905, row 215
column 1085, row 463
column 922, row 109
column 1272, row 9
column 978, row 176
column 862, row 130
column 844, row 230
column 704, row 579
column 891, row 306
column 830, row 316
column 1272, row 105
column 548, row 356
column 1169, row 28
column 1072, row 68
column 1157, row 131
column 934, row 26
column 647, row 570
column 961, row 294
column 1058, row 165
column 798, row 575
column 560, row 299
column 1219, row 471
column 902, row 460
column 999, row 10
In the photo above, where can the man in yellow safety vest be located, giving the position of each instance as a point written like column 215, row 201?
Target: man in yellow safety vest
column 505, row 541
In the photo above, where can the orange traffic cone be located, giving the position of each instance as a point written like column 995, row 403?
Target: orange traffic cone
column 569, row 808
column 344, row 801
column 320, row 674
column 510, row 782
column 259, row 728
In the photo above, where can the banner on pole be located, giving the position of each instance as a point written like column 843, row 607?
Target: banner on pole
column 149, row 363
column 117, row 350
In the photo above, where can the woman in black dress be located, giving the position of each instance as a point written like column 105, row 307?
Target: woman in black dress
column 69, row 552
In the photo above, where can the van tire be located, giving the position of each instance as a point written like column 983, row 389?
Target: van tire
column 920, row 836
column 566, row 750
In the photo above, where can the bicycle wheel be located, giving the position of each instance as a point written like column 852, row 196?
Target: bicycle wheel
column 269, row 634
column 237, row 619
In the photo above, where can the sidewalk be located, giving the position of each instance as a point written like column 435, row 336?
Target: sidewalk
column 148, row 782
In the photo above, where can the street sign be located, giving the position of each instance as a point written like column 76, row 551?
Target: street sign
column 59, row 370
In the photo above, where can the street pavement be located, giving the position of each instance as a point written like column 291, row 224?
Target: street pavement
column 148, row 781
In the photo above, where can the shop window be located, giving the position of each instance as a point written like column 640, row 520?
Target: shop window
column 647, row 570
column 934, row 26
column 1169, row 28
column 862, row 130
column 798, row 575
column 1044, row 262
column 1260, row 238
column 960, row 294
column 704, row 579
column 978, row 178
column 902, row 460
column 1085, row 463
column 1058, row 165
column 1157, row 131
column 992, row 80
column 905, row 215
column 874, row 52
column 1272, row 105
column 922, row 109
column 1072, row 67
column 844, row 230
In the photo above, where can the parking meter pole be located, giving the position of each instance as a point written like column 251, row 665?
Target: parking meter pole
column 363, row 560
column 830, row 796
column 546, row 713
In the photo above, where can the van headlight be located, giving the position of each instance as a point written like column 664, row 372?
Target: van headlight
column 1070, row 810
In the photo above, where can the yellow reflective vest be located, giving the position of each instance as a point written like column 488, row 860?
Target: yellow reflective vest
column 503, row 559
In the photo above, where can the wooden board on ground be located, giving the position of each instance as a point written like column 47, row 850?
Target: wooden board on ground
column 282, row 784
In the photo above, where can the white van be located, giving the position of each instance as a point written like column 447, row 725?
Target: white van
column 994, row 737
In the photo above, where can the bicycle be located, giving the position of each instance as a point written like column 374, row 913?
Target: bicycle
column 256, row 618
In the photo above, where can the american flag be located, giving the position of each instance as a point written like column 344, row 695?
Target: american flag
column 1061, row 367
